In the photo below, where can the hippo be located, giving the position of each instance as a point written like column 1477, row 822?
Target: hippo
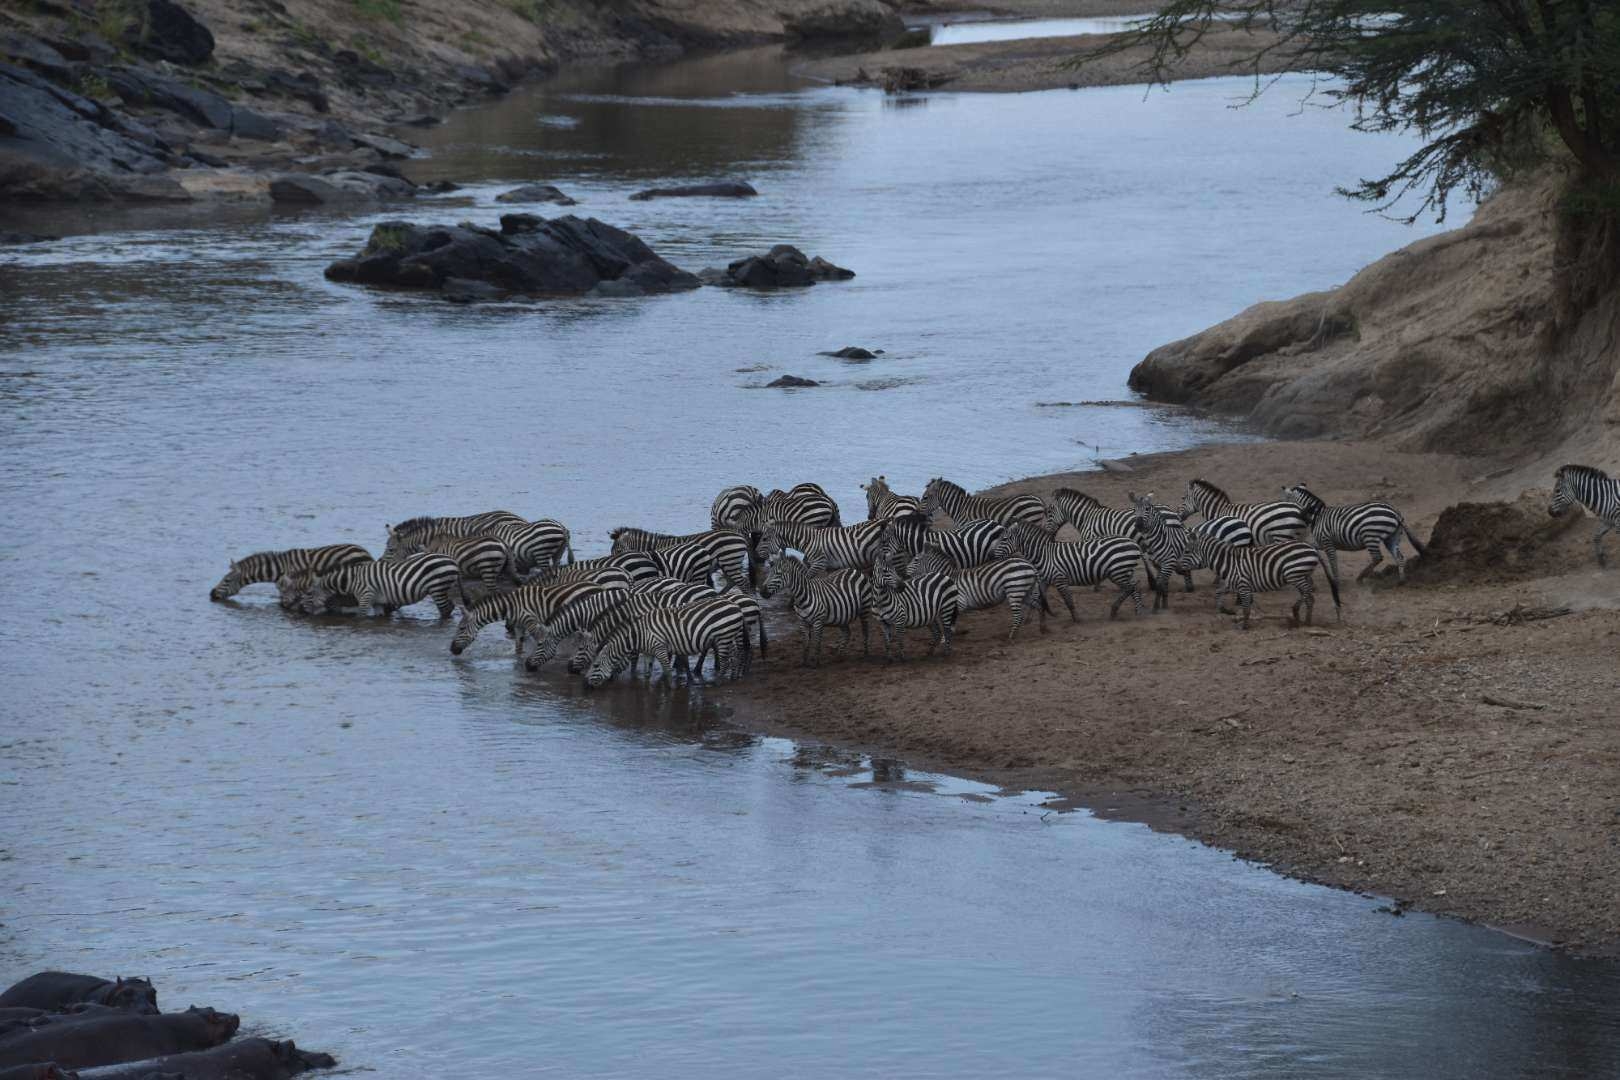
column 16, row 1018
column 45, row 1071
column 116, row 1038
column 246, row 1059
column 52, row 990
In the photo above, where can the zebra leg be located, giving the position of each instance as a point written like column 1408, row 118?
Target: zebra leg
column 362, row 600
column 726, row 655
column 1068, row 599
column 442, row 601
column 1245, row 597
column 947, row 625
column 1394, row 546
column 1597, row 543
column 1186, row 576
column 812, row 645
column 934, row 635
column 663, row 654
column 1372, row 549
column 1220, row 597
column 866, row 638
column 1307, row 593
column 1128, row 588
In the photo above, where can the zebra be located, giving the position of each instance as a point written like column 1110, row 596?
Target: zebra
column 1164, row 544
column 537, row 544
column 1592, row 488
column 942, row 494
column 482, row 557
column 847, row 547
column 727, row 548
column 1062, row 564
column 692, row 630
column 541, row 600
column 1012, row 581
column 753, row 625
column 882, row 503
column 806, row 504
column 1261, row 569
column 272, row 565
column 1231, row 531
column 391, row 583
column 638, row 566
column 663, row 593
column 970, row 543
column 838, row 598
column 1356, row 526
column 733, row 504
column 1090, row 518
column 403, row 534
column 549, row 631
column 930, row 600
column 1271, row 521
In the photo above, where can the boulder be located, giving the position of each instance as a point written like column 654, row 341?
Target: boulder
column 535, row 193
column 247, row 124
column 388, row 148
column 563, row 256
column 854, row 352
column 783, row 266
column 347, row 186
column 302, row 86
column 170, row 32
column 139, row 87
column 844, row 20
column 36, row 54
column 790, row 382
column 734, row 189
column 438, row 187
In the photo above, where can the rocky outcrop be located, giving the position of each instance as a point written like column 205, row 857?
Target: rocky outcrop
column 166, row 31
column 1454, row 343
column 562, row 256
column 844, row 20
column 734, row 189
column 338, row 188
column 784, row 266
column 535, row 193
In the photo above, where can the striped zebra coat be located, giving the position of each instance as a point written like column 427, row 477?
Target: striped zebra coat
column 840, row 598
column 664, row 593
column 1592, row 488
column 882, row 503
column 712, row 625
column 535, row 545
column 847, row 547
column 1358, row 526
column 272, row 565
column 806, row 504
column 1247, row 571
column 1164, row 545
column 390, row 583
column 401, row 536
column 542, row 601
column 565, row 621
column 930, row 600
column 1271, row 521
column 969, row 544
column 682, row 556
column 482, row 558
column 1089, row 517
column 1062, row 564
column 1012, row 581
column 638, row 566
column 941, row 494
column 733, row 505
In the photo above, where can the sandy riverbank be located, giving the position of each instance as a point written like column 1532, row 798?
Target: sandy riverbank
column 1374, row 754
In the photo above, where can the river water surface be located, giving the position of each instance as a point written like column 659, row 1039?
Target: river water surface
column 431, row 866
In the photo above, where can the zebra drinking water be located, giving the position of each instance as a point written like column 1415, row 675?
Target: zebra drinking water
column 1271, row 521
column 482, row 558
column 1354, row 527
column 539, row 600
column 637, row 566
column 664, row 593
column 1012, row 581
column 930, row 600
column 838, row 598
column 272, row 565
column 419, row 528
column 955, row 501
column 548, row 632
column 693, row 630
column 727, row 551
column 1263, row 569
column 969, row 544
column 1063, row 564
column 535, row 545
column 1592, row 488
column 835, row 548
column 392, row 583
column 882, row 503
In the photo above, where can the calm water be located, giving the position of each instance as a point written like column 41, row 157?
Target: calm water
column 424, row 864
column 969, row 32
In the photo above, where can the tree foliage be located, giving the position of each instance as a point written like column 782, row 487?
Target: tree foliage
column 1490, row 86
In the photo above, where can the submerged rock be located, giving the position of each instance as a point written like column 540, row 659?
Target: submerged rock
column 781, row 267
column 535, row 193
column 563, row 256
column 734, row 189
column 790, row 382
column 855, row 352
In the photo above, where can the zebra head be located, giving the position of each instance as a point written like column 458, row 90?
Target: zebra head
column 229, row 585
column 886, row 576
column 1189, row 500
column 472, row 621
column 1309, row 503
column 588, row 647
column 396, row 544
column 1002, row 546
column 875, row 489
column 939, row 494
column 611, row 659
column 547, row 641
column 777, row 575
column 1563, row 496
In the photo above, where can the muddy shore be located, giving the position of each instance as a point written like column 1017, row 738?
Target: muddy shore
column 1442, row 745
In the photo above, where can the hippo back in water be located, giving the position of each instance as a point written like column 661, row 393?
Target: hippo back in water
column 118, row 1037
column 53, row 990
column 45, row 1071
column 245, row 1059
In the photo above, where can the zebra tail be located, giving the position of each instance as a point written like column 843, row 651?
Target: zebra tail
column 568, row 544
column 1333, row 584
column 1412, row 536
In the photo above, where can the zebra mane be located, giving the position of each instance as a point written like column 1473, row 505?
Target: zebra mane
column 261, row 556
column 1588, row 472
column 1205, row 485
column 1079, row 496
column 425, row 523
column 1312, row 503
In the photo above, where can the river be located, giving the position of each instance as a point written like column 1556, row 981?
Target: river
column 429, row 865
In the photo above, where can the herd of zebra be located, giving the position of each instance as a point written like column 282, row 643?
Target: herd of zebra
column 678, row 599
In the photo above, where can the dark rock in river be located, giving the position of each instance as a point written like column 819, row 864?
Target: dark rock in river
column 170, row 32
column 855, row 352
column 9, row 239
column 438, row 187
column 843, row 20
column 563, row 256
column 730, row 190
column 299, row 189
column 790, row 382
column 388, row 148
column 783, row 266
column 535, row 193
column 465, row 290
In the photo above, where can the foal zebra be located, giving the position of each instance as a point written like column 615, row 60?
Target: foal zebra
column 540, row 600
column 969, row 544
column 727, row 549
column 1263, row 569
column 692, row 630
column 392, row 583
column 836, row 548
column 1592, row 488
column 271, row 565
column 1271, row 521
column 420, row 528
column 882, row 503
column 1063, row 564
column 1353, row 527
column 663, row 593
column 930, row 600
column 1012, row 581
column 838, row 599
column 942, row 494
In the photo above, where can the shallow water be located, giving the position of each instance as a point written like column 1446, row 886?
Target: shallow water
column 413, row 861
column 966, row 33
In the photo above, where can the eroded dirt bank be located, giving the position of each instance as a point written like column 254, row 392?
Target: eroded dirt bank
column 1447, row 744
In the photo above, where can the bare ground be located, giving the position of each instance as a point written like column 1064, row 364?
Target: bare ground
column 1442, row 745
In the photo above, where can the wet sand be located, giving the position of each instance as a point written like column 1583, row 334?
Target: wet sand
column 1419, row 750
